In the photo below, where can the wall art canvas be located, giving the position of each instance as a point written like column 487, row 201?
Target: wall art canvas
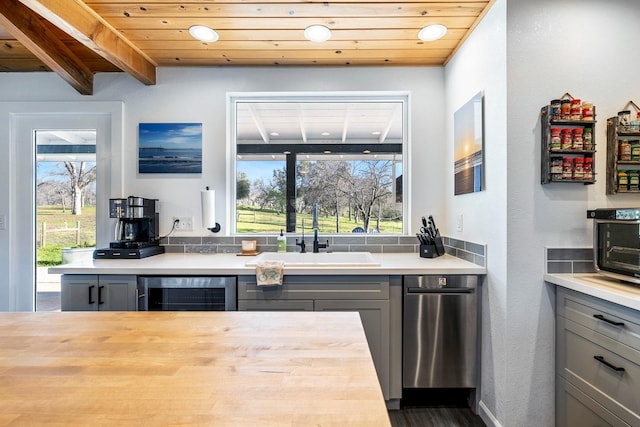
column 468, row 136
column 170, row 148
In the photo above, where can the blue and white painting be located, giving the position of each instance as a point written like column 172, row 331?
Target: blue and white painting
column 170, row 148
column 468, row 140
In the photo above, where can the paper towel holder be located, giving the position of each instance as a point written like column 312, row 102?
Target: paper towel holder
column 217, row 227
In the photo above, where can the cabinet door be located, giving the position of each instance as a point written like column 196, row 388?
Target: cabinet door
column 574, row 408
column 117, row 293
column 79, row 292
column 275, row 305
column 375, row 320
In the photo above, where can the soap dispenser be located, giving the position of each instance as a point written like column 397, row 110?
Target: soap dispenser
column 282, row 242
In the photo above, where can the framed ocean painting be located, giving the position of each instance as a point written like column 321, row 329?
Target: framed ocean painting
column 170, row 148
column 468, row 140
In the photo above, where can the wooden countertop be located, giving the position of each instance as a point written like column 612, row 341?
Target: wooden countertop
column 187, row 368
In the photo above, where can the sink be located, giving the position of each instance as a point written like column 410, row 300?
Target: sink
column 334, row 259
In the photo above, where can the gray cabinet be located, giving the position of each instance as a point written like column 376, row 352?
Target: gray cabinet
column 597, row 362
column 93, row 292
column 368, row 295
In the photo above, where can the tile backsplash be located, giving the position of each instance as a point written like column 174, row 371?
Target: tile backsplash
column 472, row 252
column 569, row 260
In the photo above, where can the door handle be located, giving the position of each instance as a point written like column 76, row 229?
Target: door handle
column 604, row 362
column 100, row 288
column 91, row 301
column 604, row 319
column 440, row 291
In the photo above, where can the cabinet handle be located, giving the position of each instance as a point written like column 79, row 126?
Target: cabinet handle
column 604, row 362
column 91, row 301
column 604, row 319
column 100, row 288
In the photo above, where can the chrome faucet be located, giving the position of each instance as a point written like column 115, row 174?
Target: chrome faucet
column 316, row 245
column 302, row 244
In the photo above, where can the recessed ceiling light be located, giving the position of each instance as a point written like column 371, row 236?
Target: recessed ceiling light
column 317, row 33
column 366, row 151
column 375, row 132
column 274, row 134
column 325, row 133
column 327, row 151
column 432, row 32
column 202, row 33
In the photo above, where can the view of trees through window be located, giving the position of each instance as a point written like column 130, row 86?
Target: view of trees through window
column 351, row 195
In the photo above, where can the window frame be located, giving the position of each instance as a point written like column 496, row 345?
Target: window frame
column 234, row 98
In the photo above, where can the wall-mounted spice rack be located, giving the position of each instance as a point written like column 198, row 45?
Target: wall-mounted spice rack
column 568, row 141
column 623, row 151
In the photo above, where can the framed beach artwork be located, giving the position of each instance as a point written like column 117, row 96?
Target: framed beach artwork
column 468, row 140
column 170, row 148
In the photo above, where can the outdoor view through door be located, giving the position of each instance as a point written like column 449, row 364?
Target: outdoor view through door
column 65, row 205
column 343, row 153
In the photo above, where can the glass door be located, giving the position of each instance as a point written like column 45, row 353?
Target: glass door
column 65, row 205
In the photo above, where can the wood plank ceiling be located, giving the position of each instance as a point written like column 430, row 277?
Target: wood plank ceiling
column 77, row 38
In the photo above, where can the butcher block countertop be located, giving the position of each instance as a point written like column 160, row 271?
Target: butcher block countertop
column 187, row 368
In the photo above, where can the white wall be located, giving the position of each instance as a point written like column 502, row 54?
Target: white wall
column 581, row 47
column 594, row 60
column 484, row 213
column 199, row 95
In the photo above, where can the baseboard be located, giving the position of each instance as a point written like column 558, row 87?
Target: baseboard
column 487, row 416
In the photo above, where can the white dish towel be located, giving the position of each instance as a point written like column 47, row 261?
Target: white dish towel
column 270, row 273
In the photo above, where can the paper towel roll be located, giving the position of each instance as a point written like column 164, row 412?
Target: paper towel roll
column 208, row 208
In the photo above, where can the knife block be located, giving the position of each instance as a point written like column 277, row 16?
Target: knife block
column 428, row 251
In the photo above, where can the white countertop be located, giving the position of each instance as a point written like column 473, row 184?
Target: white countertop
column 599, row 286
column 220, row 264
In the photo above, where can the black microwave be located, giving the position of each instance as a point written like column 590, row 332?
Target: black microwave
column 616, row 242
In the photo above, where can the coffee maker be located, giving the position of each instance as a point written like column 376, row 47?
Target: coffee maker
column 137, row 229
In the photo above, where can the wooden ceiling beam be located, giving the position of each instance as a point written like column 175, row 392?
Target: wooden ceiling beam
column 86, row 26
column 38, row 36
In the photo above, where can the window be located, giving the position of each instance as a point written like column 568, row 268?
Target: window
column 340, row 153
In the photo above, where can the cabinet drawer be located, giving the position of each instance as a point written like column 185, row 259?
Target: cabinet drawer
column 616, row 390
column 316, row 287
column 574, row 408
column 612, row 320
column 274, row 305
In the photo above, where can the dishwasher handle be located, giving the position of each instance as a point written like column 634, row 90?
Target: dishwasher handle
column 440, row 290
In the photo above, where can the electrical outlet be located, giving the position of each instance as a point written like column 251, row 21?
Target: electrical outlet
column 459, row 222
column 3, row 222
column 185, row 223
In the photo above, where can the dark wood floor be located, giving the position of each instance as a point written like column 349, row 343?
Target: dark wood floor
column 434, row 417
column 435, row 408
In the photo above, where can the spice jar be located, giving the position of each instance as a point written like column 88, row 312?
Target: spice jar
column 587, row 139
column 588, row 168
column 624, row 151
column 577, row 142
column 567, row 168
column 556, row 168
column 554, row 110
column 575, row 109
column 623, row 119
column 634, row 180
column 587, row 111
column 623, row 181
column 565, row 109
column 635, row 151
column 578, row 168
column 566, row 139
column 554, row 144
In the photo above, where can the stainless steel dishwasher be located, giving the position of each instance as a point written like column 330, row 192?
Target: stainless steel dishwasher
column 440, row 332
